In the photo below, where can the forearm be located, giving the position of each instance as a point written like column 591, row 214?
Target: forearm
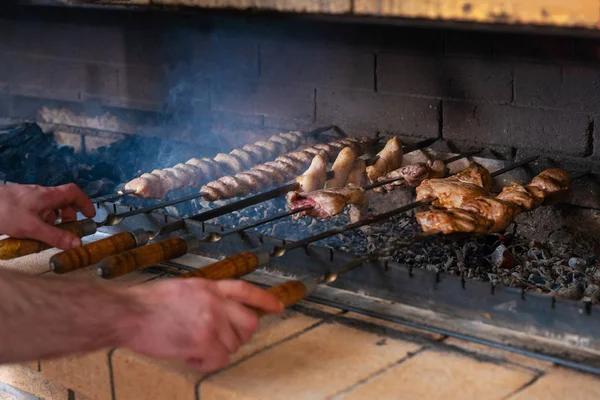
column 47, row 317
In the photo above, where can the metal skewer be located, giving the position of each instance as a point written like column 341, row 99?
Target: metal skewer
column 246, row 262
column 94, row 252
column 157, row 252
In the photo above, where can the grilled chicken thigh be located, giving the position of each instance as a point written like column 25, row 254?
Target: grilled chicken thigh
column 487, row 214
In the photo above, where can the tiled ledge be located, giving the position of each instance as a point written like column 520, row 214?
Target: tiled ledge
column 309, row 351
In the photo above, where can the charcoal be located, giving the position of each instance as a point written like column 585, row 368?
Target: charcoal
column 502, row 258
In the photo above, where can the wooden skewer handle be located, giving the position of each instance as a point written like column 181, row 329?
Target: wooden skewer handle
column 13, row 248
column 229, row 268
column 289, row 293
column 92, row 253
column 142, row 257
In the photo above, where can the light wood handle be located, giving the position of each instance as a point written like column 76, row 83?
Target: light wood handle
column 92, row 253
column 13, row 248
column 142, row 257
column 229, row 268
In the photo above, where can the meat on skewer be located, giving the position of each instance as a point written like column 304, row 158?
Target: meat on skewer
column 342, row 166
column 329, row 202
column 284, row 168
column 487, row 215
column 315, row 176
column 159, row 182
column 414, row 174
column 452, row 191
column 389, row 159
column 358, row 174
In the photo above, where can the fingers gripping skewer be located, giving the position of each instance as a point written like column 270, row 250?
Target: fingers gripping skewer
column 13, row 248
column 115, row 266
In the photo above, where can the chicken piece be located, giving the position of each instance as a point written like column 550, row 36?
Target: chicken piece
column 389, row 159
column 260, row 153
column 284, row 169
column 297, row 138
column 358, row 174
column 500, row 213
column 182, row 176
column 315, row 176
column 476, row 174
column 194, row 173
column 326, row 202
column 341, row 168
column 229, row 162
column 448, row 194
column 210, row 169
column 275, row 177
column 315, row 152
column 295, row 164
column 414, row 174
column 247, row 179
column 301, row 156
column 264, row 179
column 274, row 147
column 286, row 143
column 247, row 158
column 168, row 180
column 147, row 186
column 526, row 197
column 452, row 221
column 331, row 151
column 554, row 183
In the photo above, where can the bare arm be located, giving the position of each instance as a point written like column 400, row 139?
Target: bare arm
column 46, row 317
column 199, row 321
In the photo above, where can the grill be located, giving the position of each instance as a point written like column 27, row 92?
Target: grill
column 532, row 289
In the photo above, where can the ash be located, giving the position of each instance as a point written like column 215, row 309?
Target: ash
column 538, row 252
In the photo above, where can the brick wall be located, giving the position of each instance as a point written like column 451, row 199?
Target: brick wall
column 196, row 78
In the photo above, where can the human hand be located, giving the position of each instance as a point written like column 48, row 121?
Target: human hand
column 30, row 211
column 197, row 320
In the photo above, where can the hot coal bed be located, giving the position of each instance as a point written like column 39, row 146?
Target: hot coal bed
column 539, row 252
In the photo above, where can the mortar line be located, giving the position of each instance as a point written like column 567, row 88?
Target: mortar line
column 525, row 386
column 375, row 72
column 111, row 374
column 315, row 106
column 264, row 349
column 258, row 60
column 441, row 120
column 376, row 374
column 590, row 139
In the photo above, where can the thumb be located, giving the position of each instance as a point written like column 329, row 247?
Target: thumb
column 52, row 235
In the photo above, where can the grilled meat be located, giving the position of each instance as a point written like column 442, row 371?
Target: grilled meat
column 194, row 171
column 389, row 159
column 315, row 176
column 486, row 215
column 329, row 202
column 449, row 192
column 413, row 175
column 358, row 174
column 452, row 221
column 284, row 168
column 526, row 197
column 554, row 183
column 341, row 167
